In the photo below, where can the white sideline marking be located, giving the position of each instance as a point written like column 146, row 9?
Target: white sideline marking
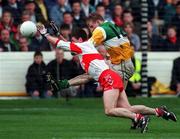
column 14, row 98
column 28, row 109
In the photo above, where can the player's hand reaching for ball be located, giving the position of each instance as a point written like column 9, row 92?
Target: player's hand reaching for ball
column 42, row 30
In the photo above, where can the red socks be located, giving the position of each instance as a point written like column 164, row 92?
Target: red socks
column 159, row 112
column 138, row 117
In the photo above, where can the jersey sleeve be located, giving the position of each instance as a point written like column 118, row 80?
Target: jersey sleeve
column 64, row 45
column 98, row 36
column 69, row 46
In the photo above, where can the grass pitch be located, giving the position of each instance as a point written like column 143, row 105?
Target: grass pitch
column 79, row 119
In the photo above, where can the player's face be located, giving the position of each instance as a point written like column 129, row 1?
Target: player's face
column 38, row 59
column 92, row 25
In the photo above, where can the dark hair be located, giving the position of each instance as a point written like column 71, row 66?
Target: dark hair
column 127, row 11
column 64, row 27
column 172, row 27
column 76, row 1
column 7, row 11
column 67, row 13
column 118, row 4
column 100, row 5
column 178, row 4
column 80, row 33
column 94, row 17
column 29, row 1
column 38, row 53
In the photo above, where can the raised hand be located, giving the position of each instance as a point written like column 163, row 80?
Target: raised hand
column 42, row 30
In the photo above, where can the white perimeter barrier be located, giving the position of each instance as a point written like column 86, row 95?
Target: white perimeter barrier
column 13, row 68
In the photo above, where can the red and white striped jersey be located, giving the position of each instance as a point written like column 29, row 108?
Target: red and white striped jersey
column 91, row 61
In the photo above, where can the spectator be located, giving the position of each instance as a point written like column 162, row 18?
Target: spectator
column 128, row 18
column 15, row 7
column 35, row 12
column 36, row 86
column 65, row 31
column 117, row 15
column 172, row 42
column 42, row 6
column 7, row 23
column 39, row 43
column 176, row 19
column 23, row 44
column 169, row 11
column 156, row 9
column 87, row 7
column 68, row 19
column 133, row 37
column 56, row 13
column 5, row 44
column 78, row 15
column 100, row 9
column 26, row 16
column 61, row 68
column 126, row 4
column 155, row 41
column 134, row 6
column 50, row 4
column 108, row 6
column 175, row 76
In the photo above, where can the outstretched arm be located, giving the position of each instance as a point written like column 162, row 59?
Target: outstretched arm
column 57, row 42
column 43, row 31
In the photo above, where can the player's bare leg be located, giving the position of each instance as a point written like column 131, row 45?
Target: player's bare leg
column 110, row 105
column 110, row 99
column 124, row 103
column 159, row 112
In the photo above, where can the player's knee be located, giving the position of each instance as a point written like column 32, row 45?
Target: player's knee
column 108, row 112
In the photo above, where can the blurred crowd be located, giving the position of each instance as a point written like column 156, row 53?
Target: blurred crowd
column 163, row 21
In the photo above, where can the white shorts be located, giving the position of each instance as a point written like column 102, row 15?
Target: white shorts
column 125, row 69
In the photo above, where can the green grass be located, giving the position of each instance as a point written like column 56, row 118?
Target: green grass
column 79, row 119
